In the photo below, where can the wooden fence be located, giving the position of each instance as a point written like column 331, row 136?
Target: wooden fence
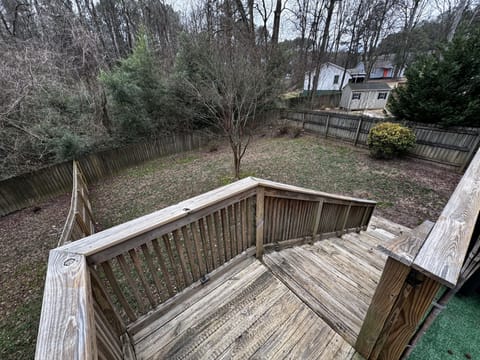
column 80, row 221
column 453, row 146
column 30, row 188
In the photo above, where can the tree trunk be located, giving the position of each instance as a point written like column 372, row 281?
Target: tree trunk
column 323, row 45
column 236, row 165
column 456, row 20
column 276, row 23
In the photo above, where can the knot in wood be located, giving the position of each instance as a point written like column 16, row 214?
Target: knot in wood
column 69, row 262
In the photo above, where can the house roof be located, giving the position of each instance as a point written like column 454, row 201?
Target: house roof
column 334, row 65
column 327, row 64
column 369, row 86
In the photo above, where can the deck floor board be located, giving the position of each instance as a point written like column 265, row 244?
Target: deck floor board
column 336, row 277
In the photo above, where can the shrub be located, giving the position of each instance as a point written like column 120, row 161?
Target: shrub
column 387, row 140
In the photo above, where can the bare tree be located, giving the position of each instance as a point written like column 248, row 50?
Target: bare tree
column 232, row 84
column 410, row 12
column 375, row 23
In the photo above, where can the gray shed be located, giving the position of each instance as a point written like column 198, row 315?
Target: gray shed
column 363, row 96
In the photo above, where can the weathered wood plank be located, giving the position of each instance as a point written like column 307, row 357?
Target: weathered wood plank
column 211, row 338
column 319, row 299
column 66, row 329
column 167, row 336
column 141, row 276
column 187, row 275
column 107, row 269
column 132, row 286
column 406, row 246
column 228, row 272
column 260, row 221
column 445, row 249
column 248, row 342
column 386, row 294
column 402, row 322
column 163, row 267
column 190, row 246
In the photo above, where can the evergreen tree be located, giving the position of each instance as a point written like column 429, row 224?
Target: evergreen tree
column 443, row 88
column 136, row 94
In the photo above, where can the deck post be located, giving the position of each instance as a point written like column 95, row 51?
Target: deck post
column 67, row 325
column 412, row 304
column 260, row 219
column 386, row 294
column 401, row 298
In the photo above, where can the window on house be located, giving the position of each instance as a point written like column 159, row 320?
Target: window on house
column 356, row 96
column 335, row 79
column 382, row 95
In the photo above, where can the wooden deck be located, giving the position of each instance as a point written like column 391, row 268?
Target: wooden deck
column 305, row 302
column 336, row 277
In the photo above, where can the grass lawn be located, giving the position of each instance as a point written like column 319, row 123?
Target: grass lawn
column 407, row 191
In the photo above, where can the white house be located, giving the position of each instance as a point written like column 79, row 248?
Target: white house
column 330, row 78
column 363, row 96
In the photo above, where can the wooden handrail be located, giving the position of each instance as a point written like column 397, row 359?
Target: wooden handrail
column 444, row 251
column 134, row 228
column 175, row 249
column 80, row 222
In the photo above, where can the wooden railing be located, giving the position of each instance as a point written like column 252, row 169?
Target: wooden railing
column 420, row 265
column 80, row 222
column 105, row 287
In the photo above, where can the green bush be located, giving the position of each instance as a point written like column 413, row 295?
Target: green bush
column 387, row 140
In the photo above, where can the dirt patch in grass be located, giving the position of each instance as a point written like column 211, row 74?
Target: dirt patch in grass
column 407, row 191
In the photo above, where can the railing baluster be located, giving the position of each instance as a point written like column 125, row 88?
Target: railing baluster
column 105, row 302
column 187, row 276
column 251, row 222
column 226, row 234
column 213, row 240
column 131, row 283
column 168, row 248
column 143, row 280
column 231, row 228
column 220, row 240
column 189, row 246
column 163, row 267
column 238, row 227
column 198, row 247
column 260, row 219
column 107, row 269
column 243, row 206
column 156, row 280
column 205, row 245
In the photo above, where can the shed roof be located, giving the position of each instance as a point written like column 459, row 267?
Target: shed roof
column 369, row 86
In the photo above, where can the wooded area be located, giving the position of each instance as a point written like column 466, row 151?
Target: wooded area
column 78, row 75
